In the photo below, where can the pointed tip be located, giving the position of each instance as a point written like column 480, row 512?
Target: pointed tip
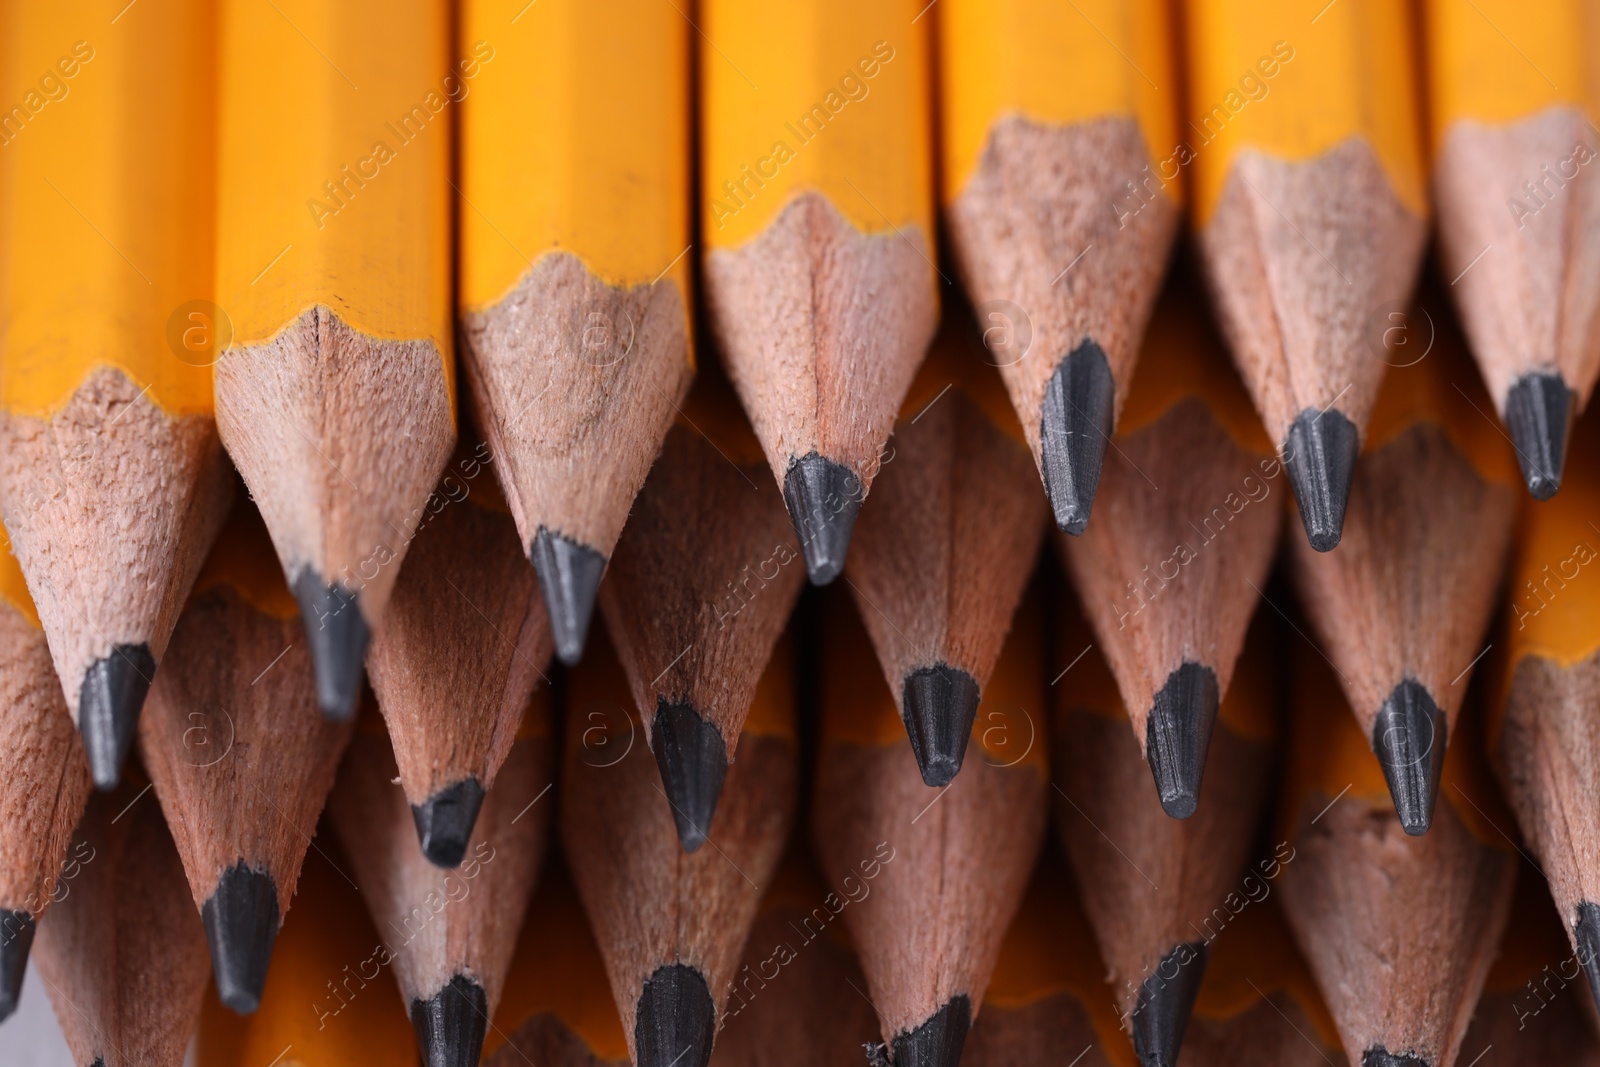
column 823, row 499
column 1378, row 1056
column 450, row 1024
column 241, row 919
column 338, row 635
column 938, row 1041
column 16, row 938
column 1539, row 416
column 1409, row 738
column 938, row 705
column 1586, row 932
column 109, row 702
column 1075, row 427
column 1320, row 455
column 569, row 577
column 693, row 758
column 674, row 1022
column 445, row 820
column 1178, row 734
column 1161, row 1012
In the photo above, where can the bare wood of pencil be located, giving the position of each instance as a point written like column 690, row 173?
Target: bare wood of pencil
column 942, row 554
column 1170, row 573
column 1402, row 608
column 1399, row 930
column 239, row 756
column 670, row 923
column 1150, row 882
column 699, row 589
column 44, row 778
column 465, row 642
column 122, row 953
column 448, row 934
column 950, row 871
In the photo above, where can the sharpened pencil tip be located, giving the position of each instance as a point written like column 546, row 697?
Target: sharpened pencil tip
column 936, row 1043
column 338, row 635
column 693, row 759
column 450, row 1024
column 1075, row 429
column 1161, row 1011
column 938, row 705
column 674, row 1022
column 1378, row 1056
column 1539, row 415
column 16, row 938
column 1320, row 455
column 823, row 499
column 445, row 820
column 109, row 702
column 241, row 919
column 1409, row 738
column 1586, row 932
column 1177, row 735
column 569, row 577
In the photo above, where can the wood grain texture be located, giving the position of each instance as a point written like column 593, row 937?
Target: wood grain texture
column 1532, row 301
column 822, row 327
column 465, row 641
column 1042, row 196
column 341, row 437
column 123, row 953
column 651, row 903
column 111, row 505
column 1299, row 257
column 575, row 382
column 438, row 923
column 44, row 777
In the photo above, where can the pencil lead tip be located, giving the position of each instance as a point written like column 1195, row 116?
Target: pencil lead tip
column 451, row 1023
column 1409, row 738
column 937, row 1042
column 1320, row 455
column 693, row 759
column 1538, row 413
column 1075, row 429
column 938, row 705
column 1586, row 932
column 569, row 577
column 241, row 920
column 1161, row 1011
column 1177, row 735
column 674, row 1022
column 445, row 820
column 16, row 938
column 823, row 499
column 109, row 702
column 338, row 635
column 1378, row 1056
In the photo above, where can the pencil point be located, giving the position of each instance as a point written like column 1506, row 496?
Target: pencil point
column 1177, row 735
column 823, row 499
column 113, row 692
column 936, row 1043
column 1586, row 931
column 693, row 759
column 1075, row 428
column 1538, row 413
column 939, row 705
column 1161, row 1013
column 241, row 920
column 1409, row 738
column 338, row 635
column 445, row 820
column 1320, row 455
column 451, row 1023
column 1378, row 1056
column 16, row 938
column 569, row 576
column 674, row 1021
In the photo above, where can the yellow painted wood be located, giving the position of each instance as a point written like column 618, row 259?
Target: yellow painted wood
column 1056, row 64
column 13, row 588
column 575, row 139
column 105, row 197
column 828, row 95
